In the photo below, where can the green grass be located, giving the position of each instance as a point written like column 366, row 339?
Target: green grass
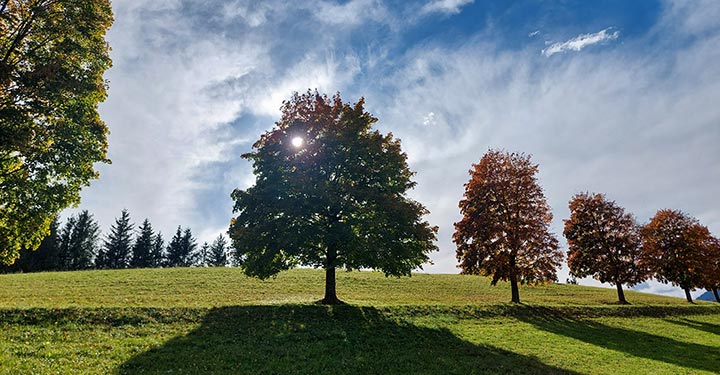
column 191, row 321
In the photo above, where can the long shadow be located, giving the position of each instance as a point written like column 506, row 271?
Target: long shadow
column 702, row 326
column 635, row 343
column 304, row 339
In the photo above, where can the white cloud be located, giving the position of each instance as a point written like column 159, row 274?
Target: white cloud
column 352, row 13
column 445, row 6
column 581, row 41
column 185, row 102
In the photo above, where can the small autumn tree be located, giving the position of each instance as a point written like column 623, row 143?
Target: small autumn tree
column 674, row 245
column 504, row 232
column 604, row 242
column 330, row 192
column 711, row 267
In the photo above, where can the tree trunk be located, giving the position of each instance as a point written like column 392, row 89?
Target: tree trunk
column 330, row 293
column 621, row 294
column 687, row 295
column 715, row 293
column 513, row 281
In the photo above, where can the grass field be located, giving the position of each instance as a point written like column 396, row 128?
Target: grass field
column 191, row 321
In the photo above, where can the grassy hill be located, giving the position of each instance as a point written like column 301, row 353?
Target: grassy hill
column 219, row 321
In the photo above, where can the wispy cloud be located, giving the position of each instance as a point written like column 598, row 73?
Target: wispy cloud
column 582, row 41
column 445, row 6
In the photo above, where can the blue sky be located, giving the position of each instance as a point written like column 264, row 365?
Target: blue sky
column 617, row 97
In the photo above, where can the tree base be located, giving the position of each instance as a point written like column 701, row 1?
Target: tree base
column 330, row 301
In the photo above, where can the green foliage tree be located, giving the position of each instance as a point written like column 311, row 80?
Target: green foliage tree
column 117, row 248
column 218, row 252
column 52, row 58
column 45, row 258
column 604, row 242
column 504, row 231
column 181, row 249
column 330, row 192
column 674, row 246
column 79, row 242
column 143, row 247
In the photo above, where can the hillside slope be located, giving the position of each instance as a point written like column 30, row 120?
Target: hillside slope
column 208, row 287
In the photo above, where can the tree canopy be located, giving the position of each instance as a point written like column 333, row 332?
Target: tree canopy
column 504, row 232
column 330, row 192
column 604, row 242
column 52, row 57
column 675, row 245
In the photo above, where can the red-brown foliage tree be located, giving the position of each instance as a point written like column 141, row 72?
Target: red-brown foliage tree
column 711, row 267
column 674, row 245
column 504, row 230
column 604, row 242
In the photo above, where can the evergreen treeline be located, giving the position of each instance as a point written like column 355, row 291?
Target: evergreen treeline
column 78, row 244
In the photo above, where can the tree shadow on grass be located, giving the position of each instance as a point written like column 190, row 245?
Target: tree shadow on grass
column 306, row 339
column 702, row 326
column 635, row 343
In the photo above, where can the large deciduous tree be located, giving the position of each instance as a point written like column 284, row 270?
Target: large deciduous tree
column 674, row 245
column 504, row 232
column 330, row 192
column 604, row 242
column 52, row 58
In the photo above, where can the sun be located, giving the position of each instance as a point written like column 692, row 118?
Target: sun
column 297, row 142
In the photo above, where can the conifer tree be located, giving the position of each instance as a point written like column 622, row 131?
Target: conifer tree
column 157, row 253
column 82, row 248
column 203, row 255
column 218, row 252
column 181, row 249
column 142, row 249
column 118, row 245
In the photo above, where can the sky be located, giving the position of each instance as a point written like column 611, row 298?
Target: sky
column 615, row 97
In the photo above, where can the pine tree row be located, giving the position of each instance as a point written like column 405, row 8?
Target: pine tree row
column 77, row 245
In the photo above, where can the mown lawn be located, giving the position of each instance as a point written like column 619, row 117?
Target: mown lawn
column 190, row 321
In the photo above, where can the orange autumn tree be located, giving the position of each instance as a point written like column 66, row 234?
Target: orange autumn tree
column 604, row 242
column 711, row 268
column 504, row 232
column 674, row 245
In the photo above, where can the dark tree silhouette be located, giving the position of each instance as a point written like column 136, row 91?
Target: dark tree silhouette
column 330, row 192
column 504, row 232
column 115, row 253
column 604, row 242
column 45, row 258
column 181, row 249
column 157, row 253
column 218, row 252
column 674, row 245
column 142, row 256
column 79, row 242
